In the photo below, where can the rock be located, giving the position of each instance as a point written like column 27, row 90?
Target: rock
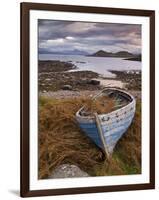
column 80, row 82
column 93, row 82
column 67, row 171
column 47, row 79
column 67, row 87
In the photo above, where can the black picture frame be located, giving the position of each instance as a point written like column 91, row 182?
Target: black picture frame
column 25, row 93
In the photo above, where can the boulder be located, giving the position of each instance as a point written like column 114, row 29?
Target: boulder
column 67, row 87
column 93, row 82
column 68, row 171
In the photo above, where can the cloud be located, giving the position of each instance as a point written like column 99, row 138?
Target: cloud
column 69, row 38
column 90, row 37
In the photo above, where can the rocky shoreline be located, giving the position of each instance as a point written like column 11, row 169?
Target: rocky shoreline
column 131, row 78
column 56, row 75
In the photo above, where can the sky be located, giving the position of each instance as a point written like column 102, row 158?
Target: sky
column 66, row 37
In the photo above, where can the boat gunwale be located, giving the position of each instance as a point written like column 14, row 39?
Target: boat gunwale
column 89, row 117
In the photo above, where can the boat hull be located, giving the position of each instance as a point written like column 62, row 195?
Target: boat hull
column 113, row 125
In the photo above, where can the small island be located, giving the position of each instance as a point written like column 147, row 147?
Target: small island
column 120, row 54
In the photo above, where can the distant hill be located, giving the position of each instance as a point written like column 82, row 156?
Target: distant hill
column 123, row 54
column 102, row 53
column 120, row 54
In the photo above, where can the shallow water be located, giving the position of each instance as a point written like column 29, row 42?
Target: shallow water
column 101, row 65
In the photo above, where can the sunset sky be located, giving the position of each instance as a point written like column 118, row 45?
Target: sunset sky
column 65, row 37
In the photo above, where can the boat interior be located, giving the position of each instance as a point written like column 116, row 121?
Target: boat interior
column 106, row 101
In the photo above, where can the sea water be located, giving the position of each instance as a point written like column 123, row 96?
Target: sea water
column 101, row 65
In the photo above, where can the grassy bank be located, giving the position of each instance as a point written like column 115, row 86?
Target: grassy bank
column 61, row 141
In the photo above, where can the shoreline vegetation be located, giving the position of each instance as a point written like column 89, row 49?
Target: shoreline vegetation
column 61, row 94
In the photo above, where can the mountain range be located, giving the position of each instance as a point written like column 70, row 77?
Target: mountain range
column 101, row 53
column 68, row 52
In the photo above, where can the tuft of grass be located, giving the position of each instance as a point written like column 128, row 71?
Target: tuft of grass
column 61, row 141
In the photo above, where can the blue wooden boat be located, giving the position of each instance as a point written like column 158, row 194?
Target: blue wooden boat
column 107, row 128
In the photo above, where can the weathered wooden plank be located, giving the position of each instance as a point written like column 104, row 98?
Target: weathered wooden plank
column 106, row 132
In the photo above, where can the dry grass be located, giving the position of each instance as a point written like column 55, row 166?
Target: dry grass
column 61, row 141
column 102, row 105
